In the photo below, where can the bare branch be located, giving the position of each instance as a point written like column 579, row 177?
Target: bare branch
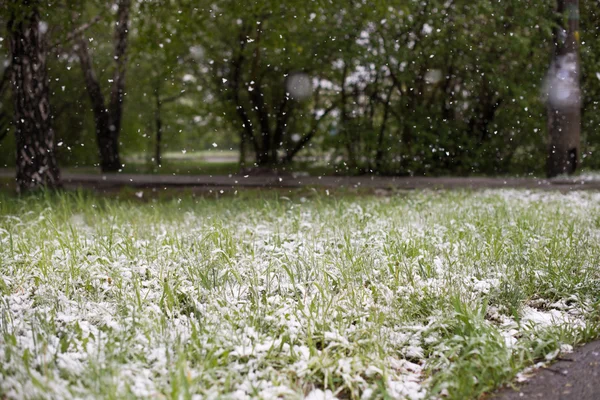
column 174, row 97
column 4, row 123
column 307, row 138
column 77, row 32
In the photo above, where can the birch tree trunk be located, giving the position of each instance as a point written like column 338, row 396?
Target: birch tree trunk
column 36, row 159
column 564, row 94
column 159, row 129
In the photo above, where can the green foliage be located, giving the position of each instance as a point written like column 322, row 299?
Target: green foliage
column 460, row 100
column 590, row 65
column 436, row 87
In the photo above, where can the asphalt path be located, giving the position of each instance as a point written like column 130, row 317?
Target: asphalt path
column 269, row 181
column 575, row 377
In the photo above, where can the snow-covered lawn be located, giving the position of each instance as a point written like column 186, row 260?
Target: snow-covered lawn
column 414, row 296
column 589, row 176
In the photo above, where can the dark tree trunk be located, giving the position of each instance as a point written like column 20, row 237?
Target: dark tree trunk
column 242, row 161
column 564, row 95
column 4, row 115
column 267, row 154
column 382, row 128
column 344, row 122
column 108, row 117
column 106, row 138
column 5, row 80
column 264, row 119
column 117, row 93
column 247, row 137
column 158, row 122
column 283, row 114
column 36, row 158
column 264, row 157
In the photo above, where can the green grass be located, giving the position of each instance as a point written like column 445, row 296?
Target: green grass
column 264, row 296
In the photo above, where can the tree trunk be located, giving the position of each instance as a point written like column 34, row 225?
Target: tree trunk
column 380, row 138
column 117, row 93
column 283, row 114
column 36, row 158
column 158, row 121
column 344, row 124
column 564, row 95
column 106, row 138
column 4, row 115
column 247, row 137
column 242, row 161
column 108, row 117
column 265, row 157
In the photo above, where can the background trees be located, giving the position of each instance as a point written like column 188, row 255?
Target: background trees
column 258, row 66
column 388, row 87
column 461, row 83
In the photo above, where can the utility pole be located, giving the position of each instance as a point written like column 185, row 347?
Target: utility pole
column 563, row 92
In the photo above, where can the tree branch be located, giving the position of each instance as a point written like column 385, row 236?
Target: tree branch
column 3, row 126
column 236, row 88
column 118, row 88
column 173, row 98
column 92, row 85
column 75, row 33
column 257, row 97
column 307, row 138
column 4, row 79
column 283, row 115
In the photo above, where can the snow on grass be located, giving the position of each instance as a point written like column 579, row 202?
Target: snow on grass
column 415, row 296
column 588, row 176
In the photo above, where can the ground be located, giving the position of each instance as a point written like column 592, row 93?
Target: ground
column 415, row 295
column 573, row 377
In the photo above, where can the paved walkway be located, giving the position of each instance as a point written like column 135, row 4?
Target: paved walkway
column 576, row 377
column 368, row 182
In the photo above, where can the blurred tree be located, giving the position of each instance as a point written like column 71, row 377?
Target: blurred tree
column 564, row 93
column 161, row 44
column 36, row 160
column 108, row 116
column 438, row 88
column 4, row 111
column 264, row 72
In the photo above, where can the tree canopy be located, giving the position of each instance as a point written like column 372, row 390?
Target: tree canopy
column 386, row 86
